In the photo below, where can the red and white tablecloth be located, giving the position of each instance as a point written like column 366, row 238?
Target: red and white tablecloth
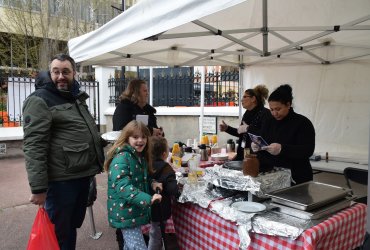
column 170, row 228
column 199, row 228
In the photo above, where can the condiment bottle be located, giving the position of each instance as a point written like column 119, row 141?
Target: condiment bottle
column 176, row 155
column 251, row 164
column 176, row 151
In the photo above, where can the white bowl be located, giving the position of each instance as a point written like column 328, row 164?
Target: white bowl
column 220, row 157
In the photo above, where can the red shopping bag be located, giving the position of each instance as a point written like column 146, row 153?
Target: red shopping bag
column 42, row 235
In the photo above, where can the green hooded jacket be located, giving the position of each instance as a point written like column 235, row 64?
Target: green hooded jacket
column 128, row 189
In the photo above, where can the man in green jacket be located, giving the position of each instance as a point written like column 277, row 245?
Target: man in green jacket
column 62, row 147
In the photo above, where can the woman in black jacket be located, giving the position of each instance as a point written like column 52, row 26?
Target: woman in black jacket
column 254, row 117
column 291, row 137
column 134, row 106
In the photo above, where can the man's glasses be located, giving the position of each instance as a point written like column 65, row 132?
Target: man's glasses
column 64, row 72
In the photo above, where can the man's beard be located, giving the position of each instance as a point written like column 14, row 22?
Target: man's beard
column 63, row 86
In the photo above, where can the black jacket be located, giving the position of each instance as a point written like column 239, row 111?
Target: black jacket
column 126, row 111
column 165, row 175
column 255, row 118
column 296, row 135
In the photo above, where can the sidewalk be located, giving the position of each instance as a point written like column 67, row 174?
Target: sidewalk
column 17, row 214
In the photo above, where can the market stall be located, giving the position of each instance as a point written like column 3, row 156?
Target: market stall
column 318, row 216
column 222, row 208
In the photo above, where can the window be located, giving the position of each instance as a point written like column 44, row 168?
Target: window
column 55, row 6
column 35, row 5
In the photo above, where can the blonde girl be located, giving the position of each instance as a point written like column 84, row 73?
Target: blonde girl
column 128, row 170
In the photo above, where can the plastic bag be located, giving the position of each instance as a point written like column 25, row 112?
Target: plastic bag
column 42, row 235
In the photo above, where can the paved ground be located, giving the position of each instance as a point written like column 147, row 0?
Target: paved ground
column 17, row 214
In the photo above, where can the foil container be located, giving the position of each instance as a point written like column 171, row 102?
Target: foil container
column 235, row 180
column 278, row 224
column 224, row 209
column 198, row 193
column 203, row 193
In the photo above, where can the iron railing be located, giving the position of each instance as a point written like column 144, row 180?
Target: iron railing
column 14, row 90
column 176, row 87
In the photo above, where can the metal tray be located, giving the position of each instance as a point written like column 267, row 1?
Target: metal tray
column 314, row 214
column 308, row 195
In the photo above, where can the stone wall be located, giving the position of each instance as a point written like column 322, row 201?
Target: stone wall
column 10, row 149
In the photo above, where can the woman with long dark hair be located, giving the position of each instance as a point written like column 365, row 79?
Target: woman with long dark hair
column 291, row 137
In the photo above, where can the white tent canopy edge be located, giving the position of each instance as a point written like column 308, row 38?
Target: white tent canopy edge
column 180, row 33
column 192, row 32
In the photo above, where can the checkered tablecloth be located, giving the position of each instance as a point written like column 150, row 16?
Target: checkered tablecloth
column 199, row 228
column 170, row 228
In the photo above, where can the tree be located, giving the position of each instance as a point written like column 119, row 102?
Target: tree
column 35, row 30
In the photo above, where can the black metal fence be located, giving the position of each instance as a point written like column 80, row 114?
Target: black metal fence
column 14, row 90
column 181, row 87
column 171, row 87
column 92, row 89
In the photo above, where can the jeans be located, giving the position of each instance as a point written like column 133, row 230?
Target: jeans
column 133, row 239
column 66, row 206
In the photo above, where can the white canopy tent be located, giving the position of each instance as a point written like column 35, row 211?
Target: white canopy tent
column 229, row 32
column 320, row 47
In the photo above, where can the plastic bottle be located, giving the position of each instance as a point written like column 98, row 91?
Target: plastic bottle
column 176, row 155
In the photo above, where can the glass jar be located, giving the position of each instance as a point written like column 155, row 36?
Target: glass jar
column 251, row 165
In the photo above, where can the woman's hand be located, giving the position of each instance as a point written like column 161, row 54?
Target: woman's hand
column 255, row 147
column 223, row 126
column 273, row 148
column 243, row 128
column 156, row 198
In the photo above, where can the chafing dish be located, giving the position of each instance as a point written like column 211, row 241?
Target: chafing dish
column 308, row 196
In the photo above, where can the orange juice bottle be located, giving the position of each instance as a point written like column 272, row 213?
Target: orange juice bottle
column 176, row 149
column 176, row 155
column 214, row 139
column 206, row 140
column 202, row 140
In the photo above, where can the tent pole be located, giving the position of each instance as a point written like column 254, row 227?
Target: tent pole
column 241, row 73
column 202, row 83
column 368, row 189
column 151, row 85
column 264, row 28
